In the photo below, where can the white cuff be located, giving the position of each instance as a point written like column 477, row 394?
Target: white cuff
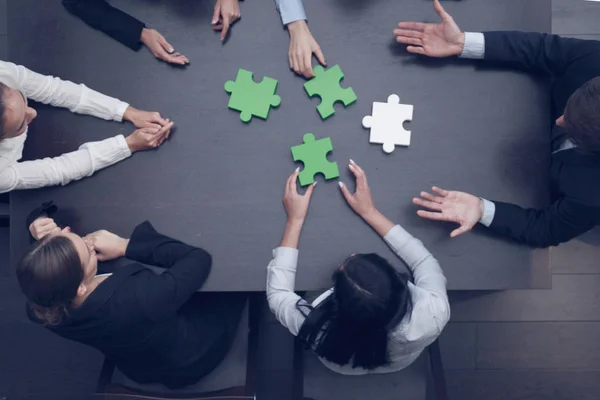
column 474, row 46
column 121, row 108
column 489, row 210
column 107, row 152
column 286, row 257
column 397, row 237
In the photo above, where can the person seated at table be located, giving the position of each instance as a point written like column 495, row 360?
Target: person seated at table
column 373, row 319
column 155, row 328
column 302, row 43
column 573, row 67
column 131, row 32
column 18, row 84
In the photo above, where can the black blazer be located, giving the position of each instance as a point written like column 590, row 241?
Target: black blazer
column 102, row 16
column 155, row 327
column 569, row 63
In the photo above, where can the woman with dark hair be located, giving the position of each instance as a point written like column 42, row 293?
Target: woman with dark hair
column 373, row 319
column 155, row 328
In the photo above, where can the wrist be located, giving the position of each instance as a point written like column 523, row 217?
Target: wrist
column 461, row 44
column 145, row 36
column 128, row 114
column 124, row 244
column 294, row 222
column 297, row 26
column 481, row 209
column 131, row 143
column 370, row 215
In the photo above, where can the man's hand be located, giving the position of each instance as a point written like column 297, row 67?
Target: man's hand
column 108, row 246
column 44, row 226
column 225, row 14
column 462, row 208
column 158, row 45
column 434, row 40
column 302, row 46
column 360, row 201
column 148, row 138
column 144, row 119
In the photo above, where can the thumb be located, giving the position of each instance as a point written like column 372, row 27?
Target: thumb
column 320, row 56
column 460, row 230
column 345, row 191
column 310, row 190
column 437, row 6
column 165, row 45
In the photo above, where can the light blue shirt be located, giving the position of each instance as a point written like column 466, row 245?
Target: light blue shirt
column 290, row 10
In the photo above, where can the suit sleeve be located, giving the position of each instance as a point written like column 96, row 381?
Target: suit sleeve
column 558, row 223
column 537, row 52
column 187, row 268
column 102, row 16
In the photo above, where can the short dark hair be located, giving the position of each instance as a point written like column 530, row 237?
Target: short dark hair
column 3, row 89
column 49, row 276
column 369, row 299
column 582, row 116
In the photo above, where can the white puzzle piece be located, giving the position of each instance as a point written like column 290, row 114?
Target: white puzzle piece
column 386, row 123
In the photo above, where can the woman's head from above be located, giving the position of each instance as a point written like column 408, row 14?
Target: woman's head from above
column 370, row 298
column 15, row 114
column 56, row 272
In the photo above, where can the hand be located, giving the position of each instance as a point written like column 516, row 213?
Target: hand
column 44, row 226
column 108, row 246
column 148, row 138
column 296, row 205
column 158, row 45
column 434, row 40
column 302, row 47
column 225, row 14
column 361, row 201
column 462, row 208
column 144, row 119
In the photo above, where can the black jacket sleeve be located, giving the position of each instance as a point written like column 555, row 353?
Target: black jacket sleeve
column 102, row 16
column 558, row 223
column 536, row 52
column 188, row 268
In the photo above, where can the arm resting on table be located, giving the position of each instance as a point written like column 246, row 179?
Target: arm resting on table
column 90, row 157
column 56, row 92
column 557, row 223
column 102, row 16
column 538, row 52
column 187, row 266
column 428, row 275
column 290, row 10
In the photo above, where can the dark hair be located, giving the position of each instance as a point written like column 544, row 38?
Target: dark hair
column 582, row 116
column 369, row 299
column 49, row 276
column 3, row 88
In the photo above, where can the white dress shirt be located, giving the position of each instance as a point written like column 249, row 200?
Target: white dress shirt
column 75, row 165
column 475, row 48
column 290, row 10
column 431, row 310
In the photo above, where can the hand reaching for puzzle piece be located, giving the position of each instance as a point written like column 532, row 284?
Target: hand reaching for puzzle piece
column 451, row 206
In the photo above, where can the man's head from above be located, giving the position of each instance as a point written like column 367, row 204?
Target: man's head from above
column 581, row 118
column 15, row 114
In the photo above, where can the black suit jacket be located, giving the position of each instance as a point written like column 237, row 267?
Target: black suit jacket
column 102, row 16
column 155, row 327
column 575, row 175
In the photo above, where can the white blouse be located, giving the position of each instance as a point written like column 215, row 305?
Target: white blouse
column 431, row 310
column 90, row 157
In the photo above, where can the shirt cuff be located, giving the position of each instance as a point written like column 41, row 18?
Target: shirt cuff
column 121, row 108
column 107, row 152
column 489, row 210
column 286, row 257
column 397, row 237
column 291, row 11
column 474, row 46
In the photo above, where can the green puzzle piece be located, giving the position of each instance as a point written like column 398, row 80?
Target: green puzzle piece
column 251, row 98
column 326, row 84
column 313, row 153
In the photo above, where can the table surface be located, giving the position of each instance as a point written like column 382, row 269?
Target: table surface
column 218, row 182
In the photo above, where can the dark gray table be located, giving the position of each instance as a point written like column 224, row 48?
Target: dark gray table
column 218, row 182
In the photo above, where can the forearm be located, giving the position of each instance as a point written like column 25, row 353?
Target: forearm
column 90, row 157
column 102, row 16
column 378, row 222
column 291, row 233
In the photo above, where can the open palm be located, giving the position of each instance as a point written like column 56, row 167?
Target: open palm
column 443, row 39
column 462, row 208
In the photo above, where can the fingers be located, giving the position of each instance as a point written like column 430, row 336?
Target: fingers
column 439, row 191
column 156, row 118
column 427, row 204
column 320, row 56
column 460, row 230
column 361, row 177
column 408, row 33
column 409, row 40
column 437, row 6
column 418, row 26
column 310, row 190
column 415, row 50
column 40, row 222
column 431, row 197
column 216, row 14
column 291, row 184
column 165, row 45
column 307, row 70
column 436, row 216
column 345, row 191
column 226, row 22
